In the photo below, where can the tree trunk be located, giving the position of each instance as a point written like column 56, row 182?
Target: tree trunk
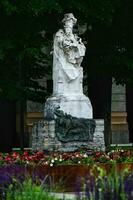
column 7, row 125
column 21, row 112
column 99, row 92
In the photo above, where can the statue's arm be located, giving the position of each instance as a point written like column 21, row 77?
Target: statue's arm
column 69, row 43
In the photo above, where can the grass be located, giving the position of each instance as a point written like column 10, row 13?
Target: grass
column 28, row 191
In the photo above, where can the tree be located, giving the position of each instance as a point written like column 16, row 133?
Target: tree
column 21, row 60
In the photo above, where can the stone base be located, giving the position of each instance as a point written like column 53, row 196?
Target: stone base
column 75, row 105
column 43, row 138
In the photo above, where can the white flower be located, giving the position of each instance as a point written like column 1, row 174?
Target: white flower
column 77, row 155
column 52, row 161
column 85, row 155
column 100, row 189
column 51, row 164
column 60, row 159
column 46, row 162
column 79, row 162
column 56, row 158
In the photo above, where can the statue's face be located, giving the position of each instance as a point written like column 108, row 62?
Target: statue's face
column 68, row 26
column 68, row 30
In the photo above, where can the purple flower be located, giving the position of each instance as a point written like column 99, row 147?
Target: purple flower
column 78, row 188
column 128, row 186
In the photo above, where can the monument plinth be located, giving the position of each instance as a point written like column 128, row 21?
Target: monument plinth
column 68, row 112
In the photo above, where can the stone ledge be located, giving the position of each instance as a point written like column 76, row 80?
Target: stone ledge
column 99, row 122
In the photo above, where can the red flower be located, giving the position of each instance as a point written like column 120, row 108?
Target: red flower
column 97, row 154
column 26, row 153
column 39, row 155
column 8, row 158
column 30, row 158
column 15, row 155
column 1, row 156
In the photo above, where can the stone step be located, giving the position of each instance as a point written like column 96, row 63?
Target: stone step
column 67, row 196
column 119, row 126
column 32, row 117
column 119, row 118
column 122, row 145
column 120, row 137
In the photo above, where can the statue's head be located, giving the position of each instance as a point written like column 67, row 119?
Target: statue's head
column 69, row 21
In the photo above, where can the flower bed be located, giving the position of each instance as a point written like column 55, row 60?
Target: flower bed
column 71, row 171
column 56, row 158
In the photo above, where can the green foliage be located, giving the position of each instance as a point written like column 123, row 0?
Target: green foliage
column 28, row 191
column 102, row 185
column 96, row 10
column 110, row 47
column 22, row 60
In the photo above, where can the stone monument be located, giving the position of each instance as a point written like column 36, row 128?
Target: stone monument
column 68, row 53
column 68, row 122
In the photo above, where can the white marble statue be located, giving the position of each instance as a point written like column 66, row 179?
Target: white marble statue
column 68, row 53
column 67, row 57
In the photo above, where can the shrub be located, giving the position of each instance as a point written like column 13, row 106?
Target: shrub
column 27, row 191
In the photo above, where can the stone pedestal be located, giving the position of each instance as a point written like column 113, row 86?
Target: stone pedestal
column 75, row 105
column 43, row 138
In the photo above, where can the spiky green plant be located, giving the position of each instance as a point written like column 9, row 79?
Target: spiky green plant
column 28, row 191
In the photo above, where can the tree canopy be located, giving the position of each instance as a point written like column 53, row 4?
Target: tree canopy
column 27, row 26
